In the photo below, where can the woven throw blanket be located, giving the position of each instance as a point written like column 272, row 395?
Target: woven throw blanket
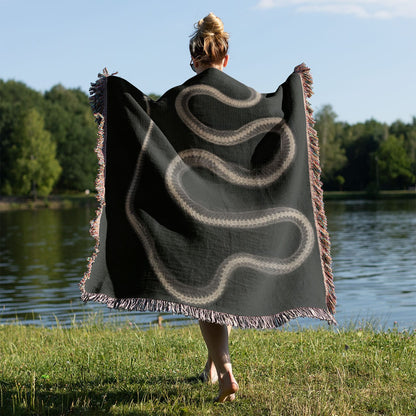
column 210, row 202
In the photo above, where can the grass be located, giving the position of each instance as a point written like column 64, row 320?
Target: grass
column 108, row 369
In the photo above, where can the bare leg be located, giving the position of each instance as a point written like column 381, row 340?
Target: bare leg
column 216, row 339
column 209, row 374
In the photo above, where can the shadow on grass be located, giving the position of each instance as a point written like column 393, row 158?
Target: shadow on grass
column 98, row 396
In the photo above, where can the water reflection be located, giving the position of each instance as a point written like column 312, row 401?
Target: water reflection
column 374, row 245
column 43, row 257
column 41, row 251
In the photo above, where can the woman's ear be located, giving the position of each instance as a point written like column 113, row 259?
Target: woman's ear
column 225, row 61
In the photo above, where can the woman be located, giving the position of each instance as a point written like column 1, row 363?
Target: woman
column 211, row 203
column 209, row 49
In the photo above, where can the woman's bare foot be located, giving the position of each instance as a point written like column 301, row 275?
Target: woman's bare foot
column 228, row 388
column 216, row 339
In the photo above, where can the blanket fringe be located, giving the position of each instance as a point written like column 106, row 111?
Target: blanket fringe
column 97, row 93
column 316, row 188
column 98, row 106
column 245, row 322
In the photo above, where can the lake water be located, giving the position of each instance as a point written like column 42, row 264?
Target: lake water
column 43, row 257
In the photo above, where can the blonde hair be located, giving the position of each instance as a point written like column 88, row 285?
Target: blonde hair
column 209, row 42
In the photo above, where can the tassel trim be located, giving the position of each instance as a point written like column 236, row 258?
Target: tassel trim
column 98, row 105
column 316, row 189
column 245, row 322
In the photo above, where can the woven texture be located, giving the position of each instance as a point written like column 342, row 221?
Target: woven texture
column 210, row 202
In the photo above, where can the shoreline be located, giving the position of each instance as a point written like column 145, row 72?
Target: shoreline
column 61, row 201
column 66, row 201
column 364, row 195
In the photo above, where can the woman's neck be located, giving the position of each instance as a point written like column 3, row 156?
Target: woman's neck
column 202, row 67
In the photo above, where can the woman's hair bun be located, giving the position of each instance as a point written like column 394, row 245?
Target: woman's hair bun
column 210, row 25
column 209, row 43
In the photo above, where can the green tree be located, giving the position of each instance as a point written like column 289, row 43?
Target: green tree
column 8, row 116
column 71, row 123
column 154, row 96
column 332, row 154
column 408, row 133
column 394, row 164
column 35, row 169
column 15, row 99
column 362, row 142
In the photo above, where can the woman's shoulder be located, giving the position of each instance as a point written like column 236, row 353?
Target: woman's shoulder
column 218, row 80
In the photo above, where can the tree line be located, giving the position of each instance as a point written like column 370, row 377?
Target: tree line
column 367, row 156
column 47, row 140
column 47, row 143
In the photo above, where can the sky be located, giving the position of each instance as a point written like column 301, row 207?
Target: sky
column 362, row 53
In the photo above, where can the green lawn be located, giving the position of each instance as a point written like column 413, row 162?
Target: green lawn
column 109, row 369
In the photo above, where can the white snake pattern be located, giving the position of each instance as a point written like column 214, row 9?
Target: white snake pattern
column 233, row 174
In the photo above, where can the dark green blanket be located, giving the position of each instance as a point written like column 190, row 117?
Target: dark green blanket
column 210, row 202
